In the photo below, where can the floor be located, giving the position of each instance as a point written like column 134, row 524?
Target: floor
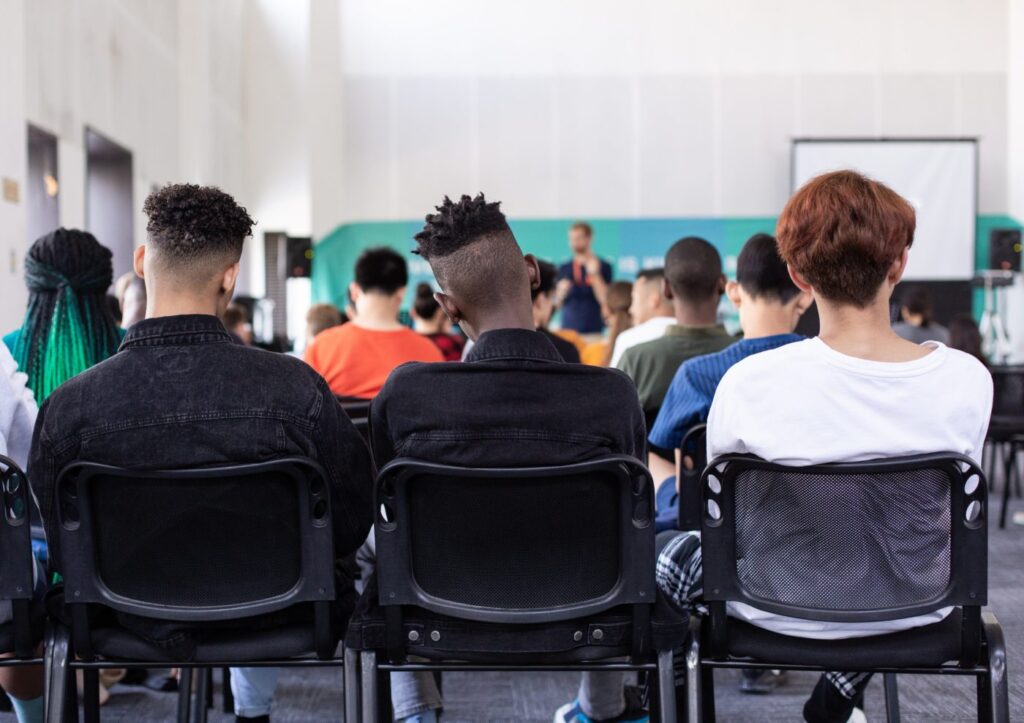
column 504, row 698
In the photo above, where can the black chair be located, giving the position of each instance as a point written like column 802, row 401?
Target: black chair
column 358, row 410
column 20, row 634
column 210, row 548
column 1006, row 430
column 849, row 543
column 694, row 446
column 545, row 568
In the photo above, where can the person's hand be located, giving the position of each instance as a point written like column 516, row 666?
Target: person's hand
column 593, row 265
column 563, row 288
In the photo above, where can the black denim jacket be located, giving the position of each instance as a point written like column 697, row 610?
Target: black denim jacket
column 513, row 402
column 181, row 393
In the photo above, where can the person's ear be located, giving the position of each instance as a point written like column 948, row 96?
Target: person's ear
column 532, row 271
column 666, row 289
column 354, row 292
column 139, row 261
column 398, row 295
column 722, row 283
column 799, row 280
column 229, row 279
column 448, row 305
column 732, row 290
column 802, row 302
column 898, row 266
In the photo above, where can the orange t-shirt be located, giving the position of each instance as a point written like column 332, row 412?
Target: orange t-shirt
column 356, row 361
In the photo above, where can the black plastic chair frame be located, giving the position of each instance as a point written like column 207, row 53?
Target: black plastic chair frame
column 689, row 488
column 72, row 649
column 398, row 586
column 983, row 653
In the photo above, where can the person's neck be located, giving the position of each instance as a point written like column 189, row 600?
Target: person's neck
column 379, row 313
column 426, row 326
column 158, row 305
column 865, row 333
column 505, row 318
column 703, row 313
column 761, row 320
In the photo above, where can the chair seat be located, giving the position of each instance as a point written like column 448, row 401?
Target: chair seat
column 926, row 646
column 216, row 646
column 441, row 637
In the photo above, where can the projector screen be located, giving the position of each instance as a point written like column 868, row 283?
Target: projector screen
column 938, row 177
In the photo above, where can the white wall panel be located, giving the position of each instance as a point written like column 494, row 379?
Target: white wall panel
column 370, row 178
column 920, row 105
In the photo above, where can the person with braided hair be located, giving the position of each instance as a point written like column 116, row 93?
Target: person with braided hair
column 68, row 326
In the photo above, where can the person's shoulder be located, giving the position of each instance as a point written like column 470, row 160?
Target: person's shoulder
column 964, row 366
column 768, row 363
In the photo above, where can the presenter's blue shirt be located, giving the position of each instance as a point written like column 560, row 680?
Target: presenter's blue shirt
column 581, row 310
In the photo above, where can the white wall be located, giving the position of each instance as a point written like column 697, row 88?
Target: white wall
column 650, row 108
column 13, row 161
column 1015, row 160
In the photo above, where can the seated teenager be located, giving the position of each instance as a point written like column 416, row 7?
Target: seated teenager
column 650, row 310
column 181, row 393
column 355, row 358
column 512, row 402
column 694, row 283
column 916, row 321
column 617, row 319
column 429, row 320
column 544, row 306
column 856, row 392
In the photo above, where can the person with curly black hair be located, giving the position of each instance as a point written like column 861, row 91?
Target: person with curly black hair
column 513, row 401
column 182, row 394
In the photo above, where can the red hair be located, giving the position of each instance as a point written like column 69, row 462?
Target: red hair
column 842, row 232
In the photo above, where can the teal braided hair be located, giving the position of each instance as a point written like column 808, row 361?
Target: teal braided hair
column 68, row 326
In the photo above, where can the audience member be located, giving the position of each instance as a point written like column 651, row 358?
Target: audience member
column 175, row 398
column 429, row 320
column 512, row 387
column 356, row 358
column 582, row 283
column 544, row 307
column 130, row 291
column 651, row 311
column 321, row 317
column 858, row 391
column 965, row 336
column 236, row 320
column 68, row 326
column 916, row 322
column 615, row 312
column 694, row 283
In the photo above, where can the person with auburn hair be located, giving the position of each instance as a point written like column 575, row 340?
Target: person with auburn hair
column 856, row 392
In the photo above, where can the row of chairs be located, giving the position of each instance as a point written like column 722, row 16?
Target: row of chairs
column 501, row 569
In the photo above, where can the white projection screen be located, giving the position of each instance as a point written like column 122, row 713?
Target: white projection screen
column 939, row 177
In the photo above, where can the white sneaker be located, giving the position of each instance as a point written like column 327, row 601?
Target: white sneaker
column 857, row 716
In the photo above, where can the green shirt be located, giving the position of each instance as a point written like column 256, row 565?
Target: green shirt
column 653, row 364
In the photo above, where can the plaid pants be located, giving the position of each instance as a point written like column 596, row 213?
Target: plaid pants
column 680, row 575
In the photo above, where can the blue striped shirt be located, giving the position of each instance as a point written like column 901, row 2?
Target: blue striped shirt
column 689, row 396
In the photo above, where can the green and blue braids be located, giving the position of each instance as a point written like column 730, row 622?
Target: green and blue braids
column 68, row 326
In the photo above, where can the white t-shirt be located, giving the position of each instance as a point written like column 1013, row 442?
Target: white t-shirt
column 17, row 410
column 806, row 403
column 648, row 331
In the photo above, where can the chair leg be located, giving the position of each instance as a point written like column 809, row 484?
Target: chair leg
column 184, row 694
column 70, row 696
column 707, row 679
column 197, row 713
column 56, row 672
column 368, row 673
column 666, row 687
column 91, row 697
column 226, row 694
column 351, row 689
column 892, row 698
column 694, row 687
column 1008, row 465
column 997, row 691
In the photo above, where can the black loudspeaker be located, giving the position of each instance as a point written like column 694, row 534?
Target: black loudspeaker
column 1004, row 246
column 300, row 257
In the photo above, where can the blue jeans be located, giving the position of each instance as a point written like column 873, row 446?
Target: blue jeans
column 253, row 689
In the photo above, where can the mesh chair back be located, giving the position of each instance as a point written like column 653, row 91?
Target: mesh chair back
column 203, row 544
column 1008, row 392
column 515, row 545
column 864, row 541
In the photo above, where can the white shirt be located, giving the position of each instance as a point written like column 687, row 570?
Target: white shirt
column 648, row 331
column 17, row 410
column 806, row 403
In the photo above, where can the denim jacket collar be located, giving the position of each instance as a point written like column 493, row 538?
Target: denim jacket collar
column 176, row 331
column 513, row 344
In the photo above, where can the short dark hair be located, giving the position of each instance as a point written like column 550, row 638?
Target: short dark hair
column 656, row 274
column 842, row 232
column 425, row 305
column 761, row 271
column 190, row 223
column 457, row 224
column 547, row 278
column 233, row 316
column 583, row 226
column 693, row 269
column 381, row 269
column 918, row 300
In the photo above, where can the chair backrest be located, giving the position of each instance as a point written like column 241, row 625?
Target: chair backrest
column 853, row 542
column 516, row 545
column 1008, row 392
column 16, row 579
column 695, row 446
column 203, row 544
column 355, row 407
